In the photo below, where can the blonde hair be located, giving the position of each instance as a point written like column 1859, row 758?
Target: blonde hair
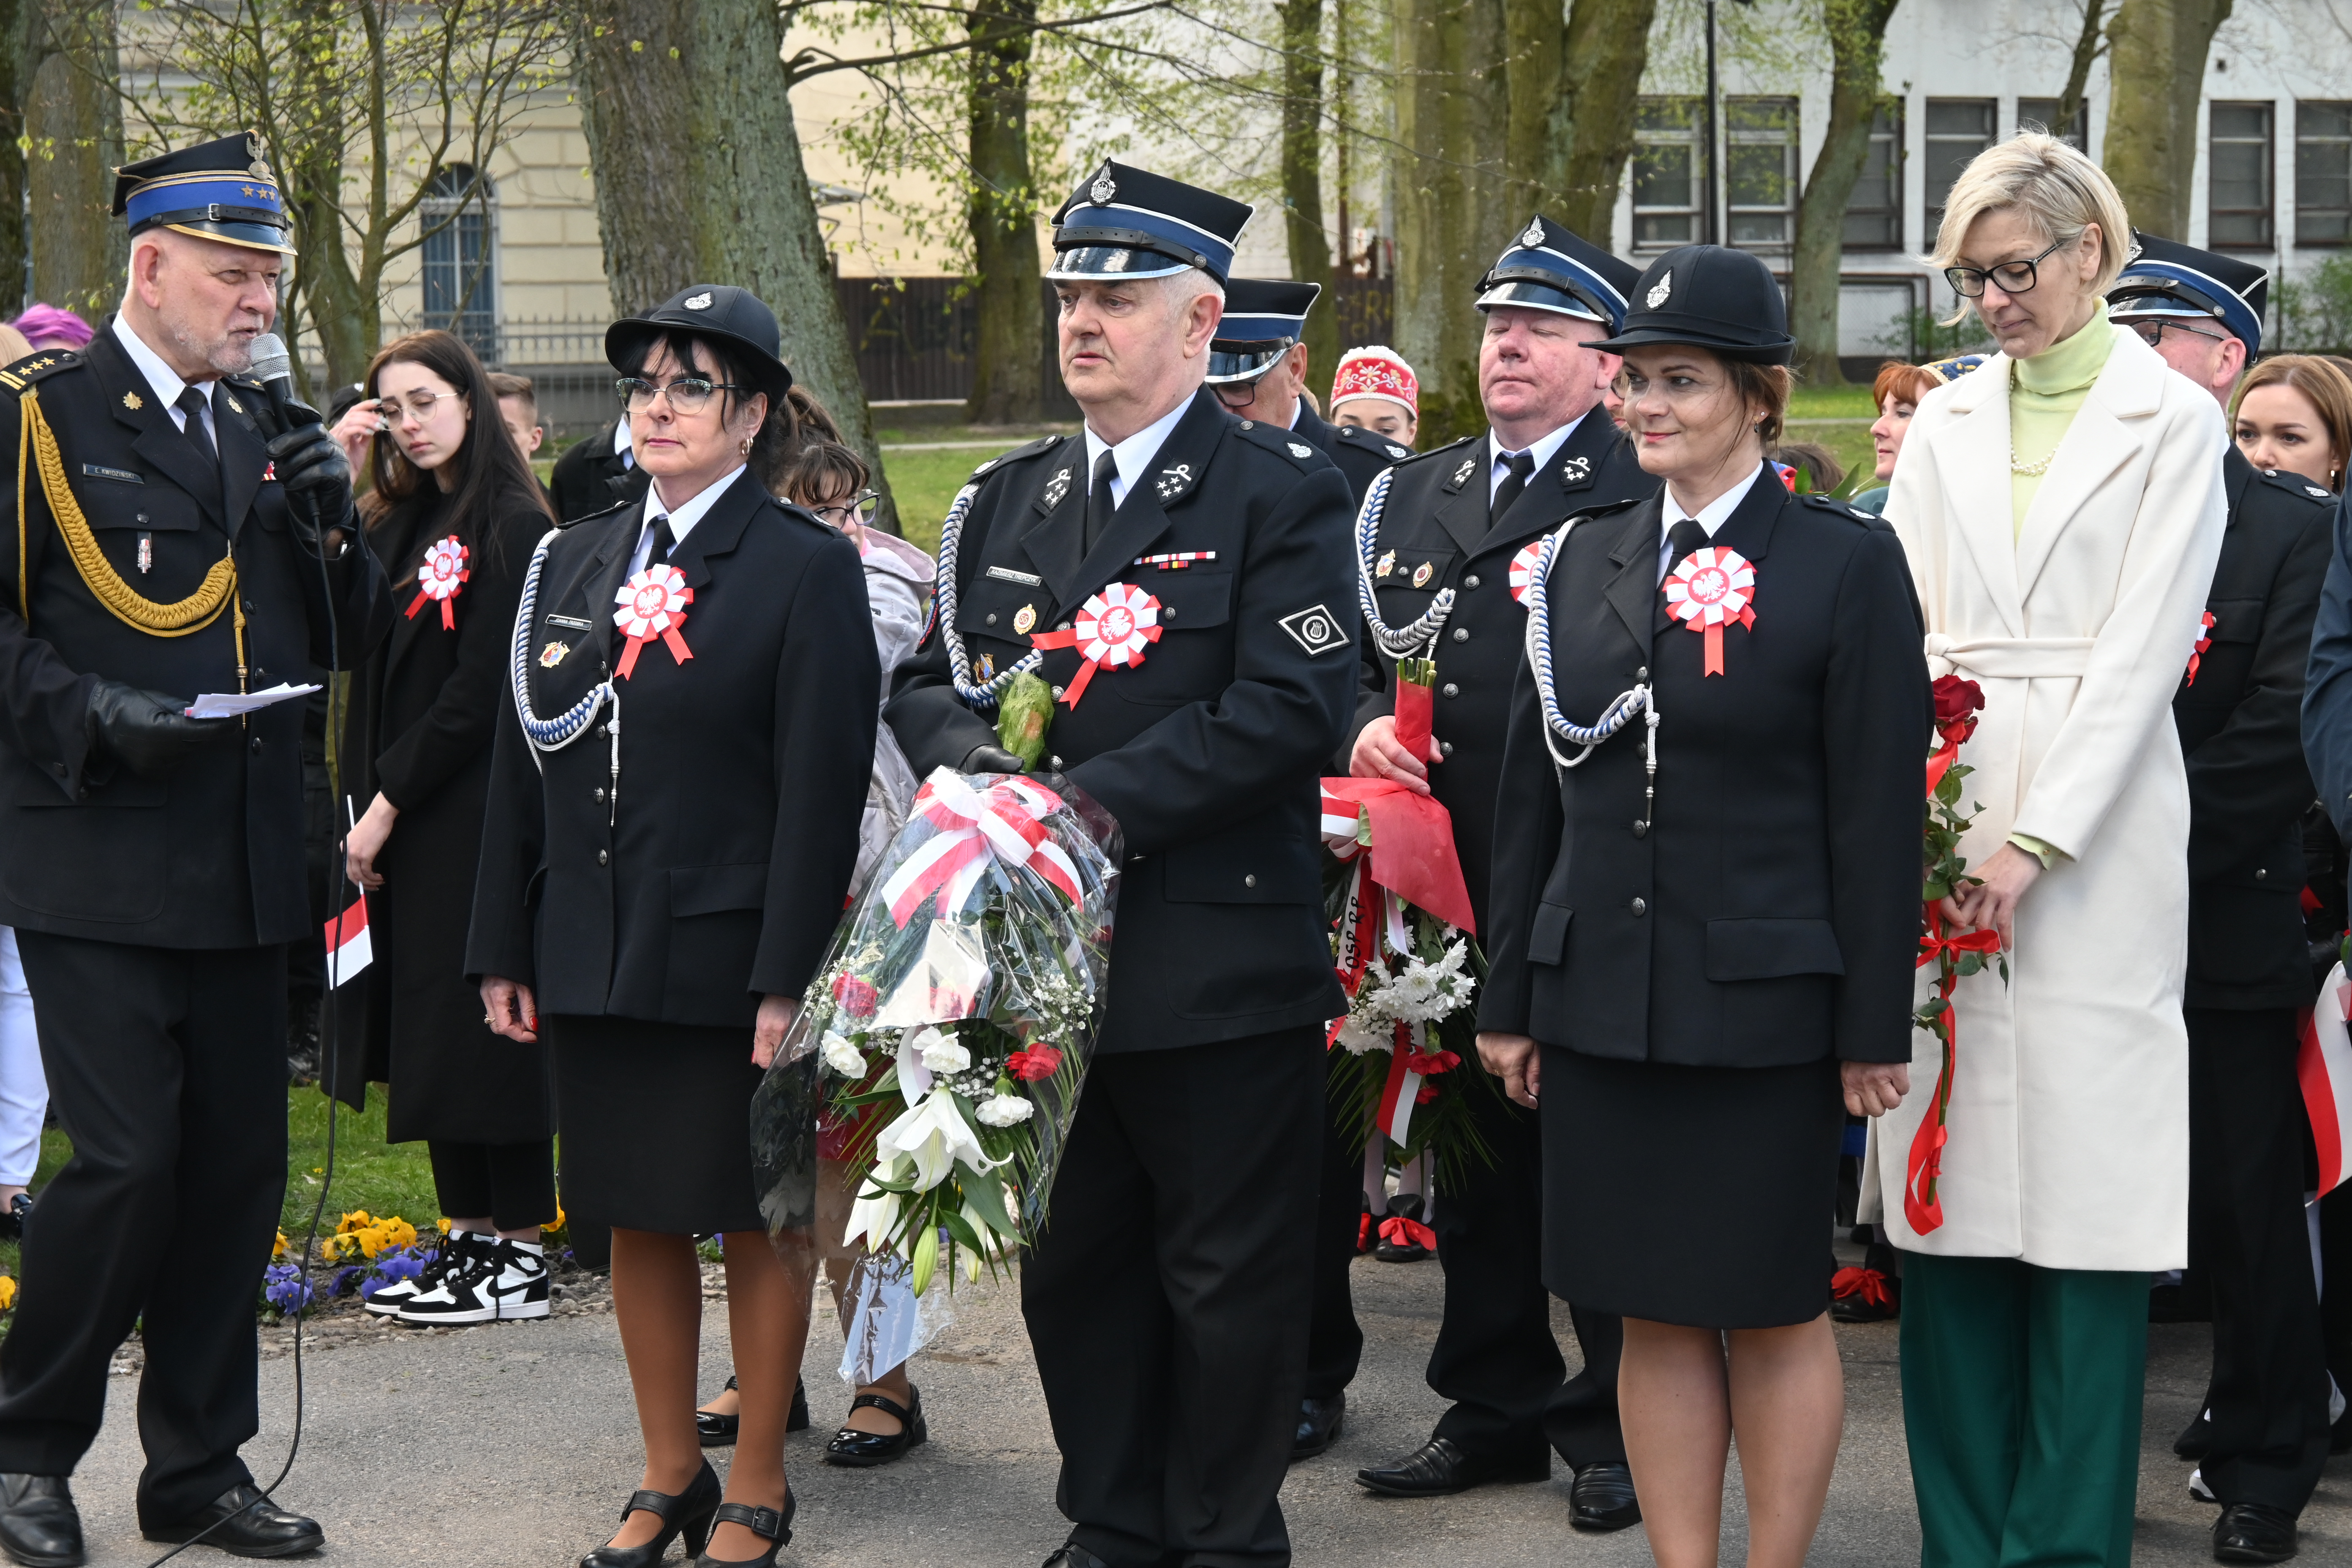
column 2057, row 189
column 2325, row 386
column 12, row 345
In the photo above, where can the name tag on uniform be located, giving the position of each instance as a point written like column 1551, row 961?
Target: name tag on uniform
column 572, row 622
column 1007, row 574
column 100, row 471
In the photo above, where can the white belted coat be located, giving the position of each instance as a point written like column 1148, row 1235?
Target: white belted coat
column 2069, row 1119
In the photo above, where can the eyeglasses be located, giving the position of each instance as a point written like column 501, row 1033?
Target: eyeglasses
column 2151, row 330
column 1674, row 386
column 417, row 404
column 858, row 509
column 2014, row 277
column 687, row 394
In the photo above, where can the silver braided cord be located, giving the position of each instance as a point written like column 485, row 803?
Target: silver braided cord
column 555, row 734
column 1621, row 710
column 1396, row 642
column 943, row 610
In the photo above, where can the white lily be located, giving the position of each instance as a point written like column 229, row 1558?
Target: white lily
column 934, row 1135
column 873, row 1215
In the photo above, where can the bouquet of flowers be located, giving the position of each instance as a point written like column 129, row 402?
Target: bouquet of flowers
column 962, row 991
column 1404, row 946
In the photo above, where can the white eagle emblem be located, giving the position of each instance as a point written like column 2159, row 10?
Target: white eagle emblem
column 699, row 302
column 1535, row 235
column 1657, row 295
column 1104, row 188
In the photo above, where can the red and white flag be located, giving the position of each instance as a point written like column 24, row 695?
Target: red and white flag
column 348, row 949
column 2324, row 1068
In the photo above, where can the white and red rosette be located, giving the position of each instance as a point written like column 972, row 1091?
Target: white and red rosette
column 1002, row 824
column 1709, row 590
column 1523, row 569
column 1114, row 628
column 439, row 577
column 652, row 605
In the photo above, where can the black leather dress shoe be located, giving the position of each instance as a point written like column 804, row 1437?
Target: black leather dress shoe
column 40, row 1526
column 1601, row 1498
column 1439, row 1468
column 2253, row 1532
column 1070, row 1554
column 244, row 1522
column 1318, row 1425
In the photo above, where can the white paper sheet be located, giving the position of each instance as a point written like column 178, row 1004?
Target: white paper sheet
column 229, row 704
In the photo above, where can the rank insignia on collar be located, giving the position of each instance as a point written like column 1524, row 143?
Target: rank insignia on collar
column 1420, row 575
column 2314, row 490
column 1173, row 482
column 132, row 401
column 1314, row 628
column 1462, row 475
column 552, row 655
column 1387, row 565
column 234, row 406
column 1056, row 487
column 1300, row 451
column 1399, row 453
column 1026, row 619
column 1578, row 468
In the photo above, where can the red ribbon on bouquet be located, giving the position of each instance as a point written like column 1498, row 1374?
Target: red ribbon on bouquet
column 1925, row 1164
column 1413, row 852
column 1002, row 824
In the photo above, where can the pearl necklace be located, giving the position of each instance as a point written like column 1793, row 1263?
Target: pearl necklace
column 2034, row 469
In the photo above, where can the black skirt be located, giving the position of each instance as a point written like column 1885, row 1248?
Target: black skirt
column 656, row 1124
column 1698, row 1196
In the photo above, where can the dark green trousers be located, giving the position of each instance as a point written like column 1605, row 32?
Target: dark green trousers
column 2021, row 1399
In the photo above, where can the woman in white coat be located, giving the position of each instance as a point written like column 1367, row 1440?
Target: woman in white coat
column 2071, row 594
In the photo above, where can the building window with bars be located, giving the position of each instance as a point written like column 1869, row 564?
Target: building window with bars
column 2238, row 204
column 1669, row 172
column 459, row 215
column 1759, row 158
column 2323, row 172
column 1873, row 212
column 2042, row 114
column 1958, row 130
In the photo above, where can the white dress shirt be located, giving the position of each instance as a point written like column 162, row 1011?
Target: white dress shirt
column 681, row 518
column 167, row 382
column 621, row 447
column 1710, row 517
column 1133, row 455
column 1498, row 465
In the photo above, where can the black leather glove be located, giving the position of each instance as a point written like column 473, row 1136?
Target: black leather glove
column 991, row 759
column 317, row 480
column 147, row 732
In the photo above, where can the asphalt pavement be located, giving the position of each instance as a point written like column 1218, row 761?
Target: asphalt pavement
column 516, row 1445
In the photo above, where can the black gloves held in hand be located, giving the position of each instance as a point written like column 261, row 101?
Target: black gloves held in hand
column 991, row 759
column 317, row 481
column 146, row 732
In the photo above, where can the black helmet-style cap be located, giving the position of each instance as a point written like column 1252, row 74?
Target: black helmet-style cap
column 731, row 318
column 216, row 189
column 1710, row 297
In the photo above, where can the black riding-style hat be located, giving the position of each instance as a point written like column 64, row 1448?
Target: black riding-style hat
column 1710, row 297
column 732, row 320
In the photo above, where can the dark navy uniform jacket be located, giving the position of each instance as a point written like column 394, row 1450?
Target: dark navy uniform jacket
column 718, row 875
column 209, row 855
column 1766, row 913
column 1208, row 752
column 1434, row 534
column 1362, row 455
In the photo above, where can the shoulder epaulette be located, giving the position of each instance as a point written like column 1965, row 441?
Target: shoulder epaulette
column 1835, row 508
column 2296, row 485
column 595, row 516
column 38, row 366
column 1372, row 440
column 1275, row 440
column 1441, row 451
column 1018, row 455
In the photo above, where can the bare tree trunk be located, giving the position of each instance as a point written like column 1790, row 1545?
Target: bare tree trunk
column 1572, row 92
column 73, row 123
column 1857, row 29
column 2156, row 52
column 1302, row 173
column 2089, row 45
column 1007, row 384
column 1451, row 197
column 16, row 76
column 698, row 179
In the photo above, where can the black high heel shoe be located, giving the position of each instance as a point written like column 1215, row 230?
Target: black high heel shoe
column 859, row 1449
column 718, row 1431
column 689, row 1513
column 770, row 1526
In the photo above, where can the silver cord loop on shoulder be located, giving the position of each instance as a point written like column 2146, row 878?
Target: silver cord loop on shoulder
column 1641, row 699
column 982, row 694
column 1397, row 642
column 555, row 734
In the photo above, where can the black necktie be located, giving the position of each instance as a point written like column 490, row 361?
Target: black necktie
column 1522, row 465
column 1099, row 505
column 1682, row 539
column 198, row 406
column 664, row 543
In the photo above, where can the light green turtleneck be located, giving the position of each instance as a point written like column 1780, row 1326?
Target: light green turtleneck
column 2044, row 394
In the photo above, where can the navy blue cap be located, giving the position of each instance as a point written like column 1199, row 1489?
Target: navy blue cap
column 216, row 190
column 2165, row 277
column 1548, row 267
column 1130, row 223
column 1710, row 297
column 1263, row 317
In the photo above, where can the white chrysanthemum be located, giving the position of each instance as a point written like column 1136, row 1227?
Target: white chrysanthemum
column 1420, row 992
column 1359, row 1037
column 944, row 1053
column 1003, row 1111
column 842, row 1057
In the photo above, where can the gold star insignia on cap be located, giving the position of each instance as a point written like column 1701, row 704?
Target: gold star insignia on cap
column 131, row 400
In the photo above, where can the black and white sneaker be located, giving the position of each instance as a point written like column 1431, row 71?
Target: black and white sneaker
column 506, row 1279
column 454, row 1252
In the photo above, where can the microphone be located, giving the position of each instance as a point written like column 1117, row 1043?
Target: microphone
column 273, row 366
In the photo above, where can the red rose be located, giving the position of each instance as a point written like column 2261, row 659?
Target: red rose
column 1039, row 1060
column 857, row 997
column 1956, row 702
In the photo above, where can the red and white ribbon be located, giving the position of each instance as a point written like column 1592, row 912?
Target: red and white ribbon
column 652, row 605
column 1709, row 590
column 1523, row 569
column 1114, row 628
column 1003, row 825
column 439, row 577
column 1338, row 826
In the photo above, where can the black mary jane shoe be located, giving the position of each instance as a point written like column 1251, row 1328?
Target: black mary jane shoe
column 244, row 1522
column 769, row 1524
column 798, row 1421
column 689, row 1513
column 860, row 1451
column 718, row 1431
